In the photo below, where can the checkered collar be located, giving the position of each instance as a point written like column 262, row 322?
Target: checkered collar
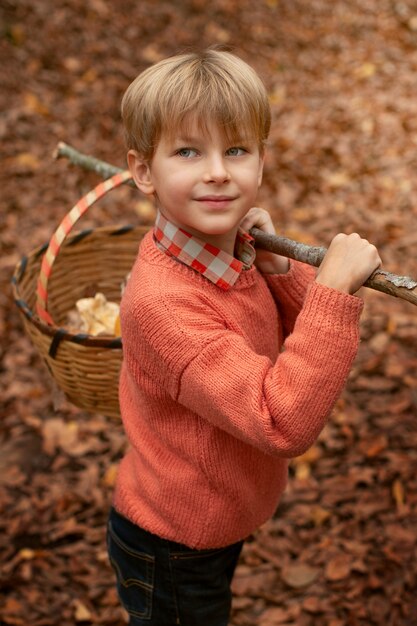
column 218, row 266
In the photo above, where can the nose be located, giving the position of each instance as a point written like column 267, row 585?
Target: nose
column 216, row 169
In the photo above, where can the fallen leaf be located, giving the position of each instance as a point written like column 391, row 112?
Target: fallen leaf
column 34, row 104
column 338, row 568
column 274, row 615
column 412, row 23
column 319, row 515
column 27, row 160
column 252, row 582
column 109, row 477
column 299, row 575
column 338, row 179
column 18, row 34
column 312, row 604
column 375, row 447
column 302, row 470
column 398, row 493
column 12, row 606
column 365, row 71
column 81, row 612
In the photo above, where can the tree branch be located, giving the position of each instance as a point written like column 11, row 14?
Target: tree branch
column 402, row 287
column 87, row 162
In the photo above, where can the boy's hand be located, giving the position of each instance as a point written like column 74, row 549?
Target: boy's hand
column 266, row 262
column 348, row 263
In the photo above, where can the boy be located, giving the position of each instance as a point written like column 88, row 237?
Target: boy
column 212, row 405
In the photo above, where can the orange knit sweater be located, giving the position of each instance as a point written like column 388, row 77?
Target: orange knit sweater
column 211, row 404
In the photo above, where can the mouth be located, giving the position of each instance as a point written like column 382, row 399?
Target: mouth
column 214, row 198
column 215, row 201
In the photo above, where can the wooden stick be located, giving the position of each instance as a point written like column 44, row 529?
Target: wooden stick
column 87, row 162
column 402, row 287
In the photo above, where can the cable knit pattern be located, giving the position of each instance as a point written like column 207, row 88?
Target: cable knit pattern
column 218, row 389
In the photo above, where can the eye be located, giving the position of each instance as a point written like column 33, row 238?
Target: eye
column 187, row 153
column 235, row 151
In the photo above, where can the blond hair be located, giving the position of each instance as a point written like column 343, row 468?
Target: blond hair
column 212, row 86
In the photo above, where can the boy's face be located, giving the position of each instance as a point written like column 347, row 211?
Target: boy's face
column 202, row 182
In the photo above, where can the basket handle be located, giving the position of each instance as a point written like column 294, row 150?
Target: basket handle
column 62, row 232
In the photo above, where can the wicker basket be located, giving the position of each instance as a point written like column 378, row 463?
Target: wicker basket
column 85, row 367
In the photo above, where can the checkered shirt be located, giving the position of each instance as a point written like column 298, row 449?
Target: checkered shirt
column 218, row 266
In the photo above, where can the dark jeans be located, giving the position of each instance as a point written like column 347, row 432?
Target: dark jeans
column 163, row 583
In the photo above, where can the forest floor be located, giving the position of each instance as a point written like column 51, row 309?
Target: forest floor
column 341, row 549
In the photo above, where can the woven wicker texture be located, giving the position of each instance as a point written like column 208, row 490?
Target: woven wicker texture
column 86, row 368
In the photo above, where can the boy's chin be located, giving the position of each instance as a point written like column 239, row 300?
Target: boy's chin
column 220, row 227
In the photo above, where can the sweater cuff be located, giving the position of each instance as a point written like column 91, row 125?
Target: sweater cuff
column 336, row 312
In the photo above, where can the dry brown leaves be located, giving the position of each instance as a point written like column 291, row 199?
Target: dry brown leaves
column 341, row 550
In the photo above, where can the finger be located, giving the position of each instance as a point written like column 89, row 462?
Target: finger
column 251, row 216
column 260, row 218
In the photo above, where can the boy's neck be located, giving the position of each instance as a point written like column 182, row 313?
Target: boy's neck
column 226, row 242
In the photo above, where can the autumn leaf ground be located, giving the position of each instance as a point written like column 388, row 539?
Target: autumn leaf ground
column 341, row 550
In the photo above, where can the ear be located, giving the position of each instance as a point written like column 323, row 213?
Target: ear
column 261, row 167
column 141, row 172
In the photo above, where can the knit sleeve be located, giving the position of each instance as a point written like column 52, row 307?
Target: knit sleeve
column 289, row 291
column 279, row 407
